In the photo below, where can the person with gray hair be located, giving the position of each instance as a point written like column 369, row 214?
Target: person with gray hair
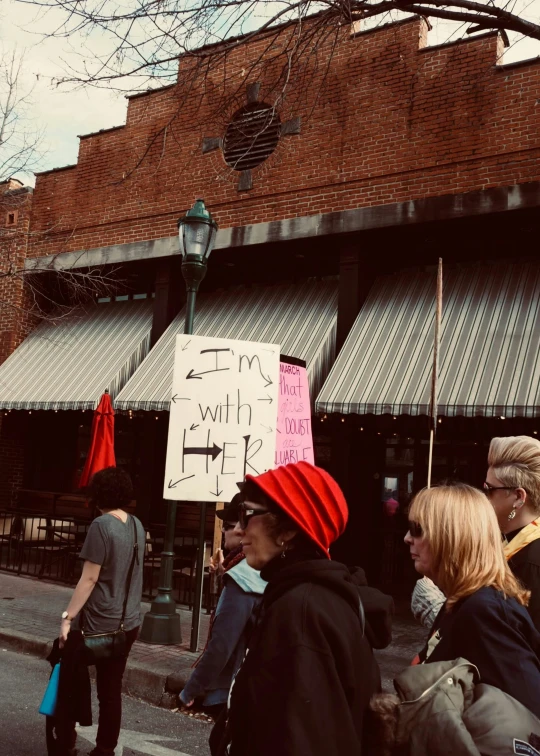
column 513, row 486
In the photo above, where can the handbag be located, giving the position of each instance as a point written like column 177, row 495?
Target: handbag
column 50, row 697
column 111, row 645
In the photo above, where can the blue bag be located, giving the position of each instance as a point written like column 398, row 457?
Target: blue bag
column 48, row 704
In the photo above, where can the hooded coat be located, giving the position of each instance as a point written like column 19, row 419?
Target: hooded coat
column 442, row 711
column 309, row 672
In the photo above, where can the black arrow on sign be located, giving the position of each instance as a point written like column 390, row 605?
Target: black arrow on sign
column 177, row 398
column 268, row 429
column 217, row 492
column 208, row 451
column 173, row 485
column 186, row 346
column 191, row 374
column 193, row 426
column 269, row 399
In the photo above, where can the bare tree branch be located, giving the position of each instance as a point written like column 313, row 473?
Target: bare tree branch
column 148, row 36
column 193, row 44
column 20, row 140
column 46, row 291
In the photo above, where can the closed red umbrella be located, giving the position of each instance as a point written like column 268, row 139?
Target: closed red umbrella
column 101, row 451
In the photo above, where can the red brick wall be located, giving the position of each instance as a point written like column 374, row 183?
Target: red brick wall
column 392, row 121
column 15, row 323
column 15, row 303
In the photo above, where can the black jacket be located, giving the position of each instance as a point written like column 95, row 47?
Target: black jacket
column 495, row 634
column 74, row 694
column 526, row 567
column 309, row 672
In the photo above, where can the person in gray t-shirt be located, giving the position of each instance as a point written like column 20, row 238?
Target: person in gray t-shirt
column 97, row 602
column 109, row 543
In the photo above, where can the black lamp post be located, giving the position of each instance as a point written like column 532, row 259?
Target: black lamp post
column 197, row 235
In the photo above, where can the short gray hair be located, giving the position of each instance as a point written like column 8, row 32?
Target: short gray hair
column 516, row 462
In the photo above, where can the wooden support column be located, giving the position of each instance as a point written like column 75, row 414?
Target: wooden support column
column 218, row 537
column 217, row 529
column 356, row 276
column 146, row 493
column 170, row 295
column 168, row 301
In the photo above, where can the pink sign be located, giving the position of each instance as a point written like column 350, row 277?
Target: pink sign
column 294, row 441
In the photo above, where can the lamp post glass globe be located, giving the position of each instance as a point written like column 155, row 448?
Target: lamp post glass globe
column 197, row 233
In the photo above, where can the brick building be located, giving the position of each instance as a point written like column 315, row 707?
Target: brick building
column 340, row 199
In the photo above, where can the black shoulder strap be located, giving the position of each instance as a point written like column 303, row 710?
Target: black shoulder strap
column 130, row 571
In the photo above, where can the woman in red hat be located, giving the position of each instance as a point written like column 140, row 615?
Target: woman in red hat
column 309, row 672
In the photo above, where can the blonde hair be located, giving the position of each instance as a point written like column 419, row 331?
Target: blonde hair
column 461, row 529
column 516, row 462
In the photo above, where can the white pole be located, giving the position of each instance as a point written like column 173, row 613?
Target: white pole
column 434, row 375
column 430, row 460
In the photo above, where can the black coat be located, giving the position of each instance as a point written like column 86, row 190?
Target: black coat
column 526, row 567
column 495, row 634
column 74, row 695
column 309, row 672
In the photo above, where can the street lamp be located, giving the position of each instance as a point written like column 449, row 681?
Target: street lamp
column 197, row 235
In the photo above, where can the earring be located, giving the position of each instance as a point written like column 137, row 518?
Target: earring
column 284, row 549
column 512, row 514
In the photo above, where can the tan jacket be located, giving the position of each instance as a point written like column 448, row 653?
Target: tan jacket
column 442, row 710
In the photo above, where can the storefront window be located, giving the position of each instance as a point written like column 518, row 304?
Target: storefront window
column 396, row 494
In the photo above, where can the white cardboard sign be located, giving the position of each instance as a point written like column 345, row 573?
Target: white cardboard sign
column 222, row 422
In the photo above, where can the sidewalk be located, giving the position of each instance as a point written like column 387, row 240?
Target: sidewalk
column 30, row 611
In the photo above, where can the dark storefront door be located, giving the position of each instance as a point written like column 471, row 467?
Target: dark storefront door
column 380, row 479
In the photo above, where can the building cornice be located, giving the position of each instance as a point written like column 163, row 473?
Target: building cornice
column 425, row 210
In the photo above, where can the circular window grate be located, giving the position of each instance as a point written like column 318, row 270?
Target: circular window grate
column 251, row 137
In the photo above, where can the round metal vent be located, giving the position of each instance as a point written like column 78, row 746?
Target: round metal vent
column 251, row 137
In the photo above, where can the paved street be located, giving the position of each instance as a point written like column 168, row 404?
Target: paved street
column 146, row 729
column 29, row 611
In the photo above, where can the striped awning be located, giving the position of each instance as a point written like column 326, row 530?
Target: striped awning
column 68, row 365
column 302, row 319
column 490, row 346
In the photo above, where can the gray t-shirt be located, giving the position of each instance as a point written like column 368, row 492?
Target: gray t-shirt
column 109, row 543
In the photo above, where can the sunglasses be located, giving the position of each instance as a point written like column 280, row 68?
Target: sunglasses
column 245, row 514
column 488, row 489
column 415, row 529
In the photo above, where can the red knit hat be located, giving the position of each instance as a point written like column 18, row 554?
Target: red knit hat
column 310, row 496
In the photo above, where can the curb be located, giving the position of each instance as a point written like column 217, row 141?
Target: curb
column 16, row 640
column 139, row 681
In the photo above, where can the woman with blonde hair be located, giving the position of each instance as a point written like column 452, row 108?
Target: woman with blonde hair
column 454, row 539
column 513, row 487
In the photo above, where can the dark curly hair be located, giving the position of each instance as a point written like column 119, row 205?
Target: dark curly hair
column 111, row 488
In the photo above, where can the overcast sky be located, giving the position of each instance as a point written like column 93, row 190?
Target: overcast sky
column 64, row 112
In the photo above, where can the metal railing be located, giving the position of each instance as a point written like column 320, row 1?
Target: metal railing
column 46, row 546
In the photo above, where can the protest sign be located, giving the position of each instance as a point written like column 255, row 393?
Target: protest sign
column 222, row 421
column 294, row 441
